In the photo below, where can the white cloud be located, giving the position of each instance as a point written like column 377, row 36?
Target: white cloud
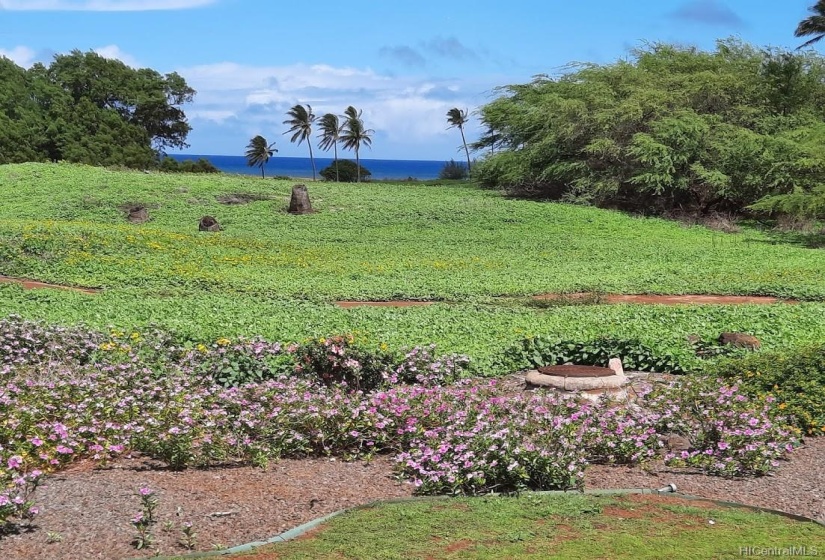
column 404, row 109
column 22, row 56
column 102, row 5
column 114, row 52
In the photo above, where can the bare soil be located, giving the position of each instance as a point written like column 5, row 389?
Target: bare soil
column 35, row 285
column 399, row 303
column 687, row 299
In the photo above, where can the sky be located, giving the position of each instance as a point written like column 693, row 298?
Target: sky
column 404, row 63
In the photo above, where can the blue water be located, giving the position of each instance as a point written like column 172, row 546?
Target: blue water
column 302, row 168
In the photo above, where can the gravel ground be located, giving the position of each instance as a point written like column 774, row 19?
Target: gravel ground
column 90, row 508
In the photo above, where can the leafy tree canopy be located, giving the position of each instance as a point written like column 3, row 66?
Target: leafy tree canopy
column 672, row 128
column 345, row 171
column 89, row 109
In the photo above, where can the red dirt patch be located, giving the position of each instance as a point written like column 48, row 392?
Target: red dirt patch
column 458, row 546
column 35, row 285
column 399, row 303
column 688, row 299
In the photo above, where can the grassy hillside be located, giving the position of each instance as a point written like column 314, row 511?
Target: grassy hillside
column 274, row 274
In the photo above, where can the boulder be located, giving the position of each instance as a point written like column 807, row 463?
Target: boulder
column 208, row 223
column 739, row 340
column 299, row 203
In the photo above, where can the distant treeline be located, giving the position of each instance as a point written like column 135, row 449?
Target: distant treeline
column 84, row 108
column 670, row 129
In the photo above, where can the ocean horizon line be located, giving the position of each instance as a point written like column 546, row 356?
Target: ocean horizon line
column 301, row 167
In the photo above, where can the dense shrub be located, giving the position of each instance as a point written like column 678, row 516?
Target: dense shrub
column 540, row 351
column 347, row 172
column 202, row 165
column 795, row 379
column 672, row 128
column 341, row 361
column 453, row 170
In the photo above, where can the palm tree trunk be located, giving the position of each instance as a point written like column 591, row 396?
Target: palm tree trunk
column 337, row 178
column 466, row 151
column 357, row 165
column 312, row 159
column 262, row 171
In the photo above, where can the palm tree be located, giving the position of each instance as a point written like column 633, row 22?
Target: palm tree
column 330, row 135
column 458, row 118
column 301, row 126
column 353, row 134
column 258, row 152
column 814, row 25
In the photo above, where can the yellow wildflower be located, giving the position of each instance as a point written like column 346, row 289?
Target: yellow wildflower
column 201, row 348
column 223, row 341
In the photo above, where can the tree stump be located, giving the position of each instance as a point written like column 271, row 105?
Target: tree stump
column 137, row 214
column 208, row 223
column 299, row 203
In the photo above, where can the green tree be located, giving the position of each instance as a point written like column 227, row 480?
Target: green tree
column 89, row 109
column 813, row 25
column 345, row 171
column 354, row 135
column 258, row 152
column 330, row 135
column 300, row 122
column 671, row 129
column 457, row 119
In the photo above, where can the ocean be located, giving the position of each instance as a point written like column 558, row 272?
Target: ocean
column 299, row 167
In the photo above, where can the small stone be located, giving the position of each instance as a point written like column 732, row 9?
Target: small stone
column 208, row 223
column 675, row 442
column 739, row 340
column 616, row 365
column 137, row 214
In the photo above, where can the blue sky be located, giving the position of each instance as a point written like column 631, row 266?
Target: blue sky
column 403, row 63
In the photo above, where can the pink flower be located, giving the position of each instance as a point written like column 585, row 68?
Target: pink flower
column 15, row 462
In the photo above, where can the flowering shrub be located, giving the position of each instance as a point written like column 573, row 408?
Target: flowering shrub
column 420, row 366
column 31, row 342
column 339, row 360
column 730, row 433
column 796, row 381
column 243, row 361
column 466, row 437
column 499, row 444
column 16, row 499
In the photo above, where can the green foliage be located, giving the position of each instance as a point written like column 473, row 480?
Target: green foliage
column 273, row 276
column 85, row 108
column 799, row 204
column 354, row 135
column 453, row 170
column 541, row 351
column 258, row 152
column 794, row 377
column 340, row 360
column 300, row 123
column 202, row 165
column 345, row 171
column 673, row 129
column 536, row 527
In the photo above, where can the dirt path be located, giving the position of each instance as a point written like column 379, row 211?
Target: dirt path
column 35, row 285
column 688, row 299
